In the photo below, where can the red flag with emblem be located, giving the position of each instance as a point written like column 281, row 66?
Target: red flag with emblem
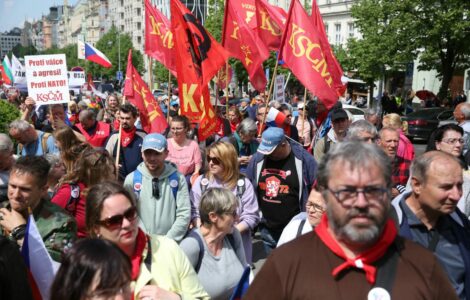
column 159, row 42
column 138, row 93
column 198, row 58
column 302, row 52
column 335, row 67
column 271, row 23
column 245, row 45
column 224, row 76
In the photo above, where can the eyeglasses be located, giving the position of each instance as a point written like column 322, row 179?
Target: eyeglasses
column 214, row 160
column 232, row 213
column 348, row 196
column 453, row 141
column 316, row 207
column 116, row 221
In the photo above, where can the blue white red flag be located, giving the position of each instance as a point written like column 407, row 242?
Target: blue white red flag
column 41, row 267
column 96, row 56
column 275, row 118
column 242, row 286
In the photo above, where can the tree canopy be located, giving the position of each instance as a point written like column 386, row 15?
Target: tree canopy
column 395, row 32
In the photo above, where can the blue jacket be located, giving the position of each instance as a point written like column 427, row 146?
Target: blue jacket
column 306, row 169
column 460, row 227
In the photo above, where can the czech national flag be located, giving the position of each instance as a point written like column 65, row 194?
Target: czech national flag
column 96, row 56
column 275, row 118
column 41, row 267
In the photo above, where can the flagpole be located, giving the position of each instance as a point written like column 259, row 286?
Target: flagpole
column 303, row 113
column 118, row 150
column 269, row 96
column 226, row 88
column 169, row 95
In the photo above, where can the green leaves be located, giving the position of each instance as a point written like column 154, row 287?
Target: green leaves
column 395, row 32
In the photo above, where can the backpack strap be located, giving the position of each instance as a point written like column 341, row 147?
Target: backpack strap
column 241, row 187
column 387, row 266
column 200, row 243
column 137, row 183
column 174, row 183
column 296, row 119
column 301, row 226
column 203, row 184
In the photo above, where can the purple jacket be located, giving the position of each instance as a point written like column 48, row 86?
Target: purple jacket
column 248, row 210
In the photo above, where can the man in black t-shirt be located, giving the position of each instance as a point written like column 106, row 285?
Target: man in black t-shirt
column 282, row 173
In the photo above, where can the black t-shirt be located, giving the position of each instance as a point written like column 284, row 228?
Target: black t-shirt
column 278, row 192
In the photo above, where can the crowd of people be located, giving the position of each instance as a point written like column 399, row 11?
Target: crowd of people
column 341, row 206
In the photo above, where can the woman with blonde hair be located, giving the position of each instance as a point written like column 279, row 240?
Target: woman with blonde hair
column 223, row 172
column 92, row 167
column 405, row 147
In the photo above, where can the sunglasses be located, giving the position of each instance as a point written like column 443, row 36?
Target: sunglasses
column 116, row 221
column 214, row 160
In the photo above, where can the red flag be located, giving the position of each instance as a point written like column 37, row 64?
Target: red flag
column 302, row 52
column 271, row 23
column 138, row 93
column 203, row 54
column 245, row 45
column 159, row 42
column 335, row 68
column 224, row 76
column 198, row 58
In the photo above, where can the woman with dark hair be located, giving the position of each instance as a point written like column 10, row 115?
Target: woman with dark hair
column 93, row 269
column 448, row 138
column 215, row 249
column 159, row 267
column 183, row 152
column 223, row 172
column 91, row 167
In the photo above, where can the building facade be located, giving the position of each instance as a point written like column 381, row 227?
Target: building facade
column 8, row 40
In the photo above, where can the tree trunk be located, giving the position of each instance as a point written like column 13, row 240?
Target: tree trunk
column 447, row 74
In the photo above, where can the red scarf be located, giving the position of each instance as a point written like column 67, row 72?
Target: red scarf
column 364, row 260
column 233, row 126
column 219, row 127
column 127, row 136
column 136, row 259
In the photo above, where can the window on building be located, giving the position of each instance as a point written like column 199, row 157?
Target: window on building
column 139, row 25
column 138, row 11
column 351, row 30
column 326, row 31
column 338, row 34
column 139, row 40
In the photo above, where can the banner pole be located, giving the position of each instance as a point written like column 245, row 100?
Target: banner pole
column 118, row 150
column 303, row 114
column 169, row 100
column 226, row 88
column 268, row 97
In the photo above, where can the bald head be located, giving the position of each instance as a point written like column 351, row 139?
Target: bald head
column 424, row 164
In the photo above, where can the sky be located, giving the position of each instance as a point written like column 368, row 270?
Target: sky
column 15, row 12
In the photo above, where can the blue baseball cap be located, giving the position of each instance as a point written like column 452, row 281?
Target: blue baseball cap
column 270, row 140
column 154, row 141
